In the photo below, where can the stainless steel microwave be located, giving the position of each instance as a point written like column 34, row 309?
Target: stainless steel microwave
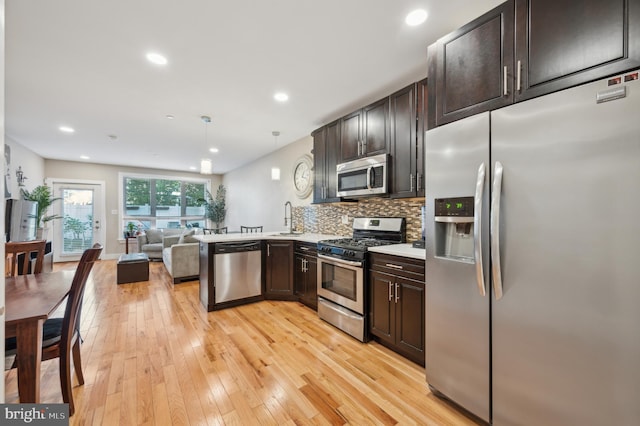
column 364, row 176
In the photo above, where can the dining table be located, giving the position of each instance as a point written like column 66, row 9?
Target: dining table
column 29, row 301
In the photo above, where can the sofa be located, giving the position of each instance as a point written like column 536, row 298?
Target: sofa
column 178, row 250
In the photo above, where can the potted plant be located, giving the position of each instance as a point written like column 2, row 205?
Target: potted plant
column 215, row 208
column 129, row 230
column 42, row 195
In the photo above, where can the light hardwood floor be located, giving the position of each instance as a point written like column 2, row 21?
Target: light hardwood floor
column 153, row 355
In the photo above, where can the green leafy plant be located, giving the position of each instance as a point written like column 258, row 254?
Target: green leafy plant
column 76, row 226
column 41, row 194
column 130, row 229
column 215, row 208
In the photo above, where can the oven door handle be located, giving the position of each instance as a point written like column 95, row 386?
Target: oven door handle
column 345, row 262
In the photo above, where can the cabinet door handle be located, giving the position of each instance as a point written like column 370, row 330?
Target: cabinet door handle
column 304, row 248
column 268, row 249
column 518, row 76
column 418, row 182
column 411, row 182
column 358, row 148
column 504, row 81
column 391, row 265
column 397, row 295
column 390, row 291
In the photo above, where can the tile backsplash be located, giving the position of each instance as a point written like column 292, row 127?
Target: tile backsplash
column 327, row 218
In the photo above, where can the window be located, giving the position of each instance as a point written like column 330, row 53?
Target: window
column 162, row 202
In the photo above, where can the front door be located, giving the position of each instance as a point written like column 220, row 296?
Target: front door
column 82, row 211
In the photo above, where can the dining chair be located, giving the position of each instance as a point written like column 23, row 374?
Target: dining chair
column 13, row 250
column 61, row 336
column 209, row 231
column 245, row 229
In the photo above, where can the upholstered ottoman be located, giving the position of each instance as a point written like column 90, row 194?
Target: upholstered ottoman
column 132, row 267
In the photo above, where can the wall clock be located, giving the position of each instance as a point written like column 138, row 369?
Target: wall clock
column 302, row 176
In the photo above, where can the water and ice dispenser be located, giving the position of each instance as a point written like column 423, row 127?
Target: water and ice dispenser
column 454, row 228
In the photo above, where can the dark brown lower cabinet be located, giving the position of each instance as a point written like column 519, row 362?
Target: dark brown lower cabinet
column 305, row 275
column 397, row 300
column 279, row 270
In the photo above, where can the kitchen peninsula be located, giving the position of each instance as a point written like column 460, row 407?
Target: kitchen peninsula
column 242, row 268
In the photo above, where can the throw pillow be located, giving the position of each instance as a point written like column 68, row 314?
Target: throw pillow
column 187, row 237
column 154, row 236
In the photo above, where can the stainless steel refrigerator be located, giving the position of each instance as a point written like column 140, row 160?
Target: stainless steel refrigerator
column 533, row 259
column 20, row 220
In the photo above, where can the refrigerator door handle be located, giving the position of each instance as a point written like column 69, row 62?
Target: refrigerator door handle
column 477, row 231
column 496, row 193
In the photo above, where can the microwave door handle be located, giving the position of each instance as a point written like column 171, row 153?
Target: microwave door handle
column 369, row 175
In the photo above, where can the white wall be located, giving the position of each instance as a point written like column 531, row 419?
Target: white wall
column 114, row 245
column 31, row 163
column 254, row 199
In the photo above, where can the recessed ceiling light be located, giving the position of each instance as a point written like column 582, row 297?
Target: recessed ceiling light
column 416, row 17
column 214, row 150
column 66, row 129
column 84, row 157
column 156, row 58
column 169, row 116
column 281, row 97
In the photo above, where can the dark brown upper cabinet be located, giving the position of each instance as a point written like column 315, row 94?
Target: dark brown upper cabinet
column 472, row 67
column 405, row 180
column 563, row 43
column 421, row 111
column 325, row 158
column 365, row 132
column 528, row 48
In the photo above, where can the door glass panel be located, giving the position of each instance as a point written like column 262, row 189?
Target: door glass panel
column 78, row 213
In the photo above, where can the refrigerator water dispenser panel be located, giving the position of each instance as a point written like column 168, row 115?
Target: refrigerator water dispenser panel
column 454, row 229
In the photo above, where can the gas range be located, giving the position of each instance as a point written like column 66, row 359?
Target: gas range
column 367, row 232
column 342, row 295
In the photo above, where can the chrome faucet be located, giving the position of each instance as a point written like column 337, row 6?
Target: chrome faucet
column 290, row 223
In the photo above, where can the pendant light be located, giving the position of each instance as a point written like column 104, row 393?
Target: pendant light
column 206, row 166
column 275, row 171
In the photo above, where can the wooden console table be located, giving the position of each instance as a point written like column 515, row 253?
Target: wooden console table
column 126, row 244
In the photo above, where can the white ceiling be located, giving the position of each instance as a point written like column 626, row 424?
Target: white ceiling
column 82, row 64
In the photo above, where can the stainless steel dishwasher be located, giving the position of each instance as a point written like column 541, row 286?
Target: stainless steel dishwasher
column 237, row 270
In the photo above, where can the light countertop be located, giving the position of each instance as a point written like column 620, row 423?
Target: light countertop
column 404, row 250
column 305, row 237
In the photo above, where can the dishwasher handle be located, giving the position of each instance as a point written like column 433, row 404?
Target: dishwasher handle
column 236, row 247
